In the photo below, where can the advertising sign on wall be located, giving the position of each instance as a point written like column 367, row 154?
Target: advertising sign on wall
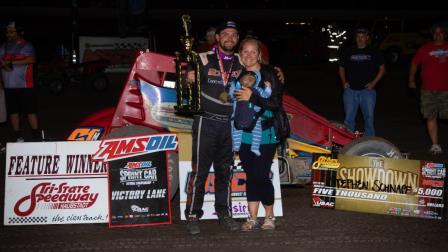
column 120, row 52
column 54, row 183
column 238, row 184
column 379, row 185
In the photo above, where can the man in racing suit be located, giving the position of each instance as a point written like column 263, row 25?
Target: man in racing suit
column 212, row 141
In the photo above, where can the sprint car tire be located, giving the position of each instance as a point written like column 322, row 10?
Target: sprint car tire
column 371, row 147
column 173, row 157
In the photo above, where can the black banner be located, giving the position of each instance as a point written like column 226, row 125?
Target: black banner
column 138, row 191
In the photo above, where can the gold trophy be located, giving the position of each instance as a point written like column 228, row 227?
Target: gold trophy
column 188, row 81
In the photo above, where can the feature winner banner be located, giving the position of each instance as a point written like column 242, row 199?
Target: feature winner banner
column 138, row 179
column 239, row 203
column 54, row 183
column 379, row 185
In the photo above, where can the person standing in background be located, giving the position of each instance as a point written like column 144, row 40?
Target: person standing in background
column 17, row 58
column 433, row 57
column 210, row 40
column 360, row 70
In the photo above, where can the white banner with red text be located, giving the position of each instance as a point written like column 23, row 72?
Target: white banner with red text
column 54, row 183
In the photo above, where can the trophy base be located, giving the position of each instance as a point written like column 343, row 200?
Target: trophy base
column 187, row 111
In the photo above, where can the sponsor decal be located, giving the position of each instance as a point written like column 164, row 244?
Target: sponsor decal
column 86, row 134
column 430, row 204
column 326, row 162
column 213, row 72
column 433, row 172
column 433, row 183
column 406, row 212
column 119, row 148
column 138, row 173
column 138, row 209
column 430, row 213
column 318, row 202
column 55, row 196
column 394, row 210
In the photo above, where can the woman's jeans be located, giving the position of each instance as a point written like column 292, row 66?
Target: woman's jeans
column 366, row 99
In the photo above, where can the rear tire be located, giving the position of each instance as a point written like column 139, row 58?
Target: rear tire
column 371, row 147
column 173, row 157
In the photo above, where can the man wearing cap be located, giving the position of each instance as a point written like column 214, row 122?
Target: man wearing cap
column 212, row 141
column 16, row 60
column 360, row 70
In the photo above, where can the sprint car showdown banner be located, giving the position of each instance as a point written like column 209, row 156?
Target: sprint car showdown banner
column 379, row 185
column 54, row 183
column 238, row 184
column 138, row 179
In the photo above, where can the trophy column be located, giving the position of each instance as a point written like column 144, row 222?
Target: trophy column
column 188, row 81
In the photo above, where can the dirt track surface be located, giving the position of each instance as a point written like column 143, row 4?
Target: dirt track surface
column 301, row 227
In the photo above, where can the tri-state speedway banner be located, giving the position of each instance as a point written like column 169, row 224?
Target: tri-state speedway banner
column 54, row 183
column 138, row 179
column 379, row 185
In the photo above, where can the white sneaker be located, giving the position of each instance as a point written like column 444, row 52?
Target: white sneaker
column 269, row 223
column 435, row 149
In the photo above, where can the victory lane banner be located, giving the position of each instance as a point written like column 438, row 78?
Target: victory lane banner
column 398, row 187
column 138, row 179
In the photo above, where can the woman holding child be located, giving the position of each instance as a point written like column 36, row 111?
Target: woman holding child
column 257, row 161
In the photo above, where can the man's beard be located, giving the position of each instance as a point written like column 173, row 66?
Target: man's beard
column 227, row 48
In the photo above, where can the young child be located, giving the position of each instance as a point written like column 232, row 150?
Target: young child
column 245, row 113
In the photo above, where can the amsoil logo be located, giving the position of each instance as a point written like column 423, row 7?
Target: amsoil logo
column 53, row 196
column 119, row 148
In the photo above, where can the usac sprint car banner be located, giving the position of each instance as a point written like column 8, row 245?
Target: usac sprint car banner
column 54, row 183
column 238, row 186
column 379, row 185
column 138, row 179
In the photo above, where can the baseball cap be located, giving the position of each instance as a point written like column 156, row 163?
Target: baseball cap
column 14, row 26
column 362, row 30
column 228, row 24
